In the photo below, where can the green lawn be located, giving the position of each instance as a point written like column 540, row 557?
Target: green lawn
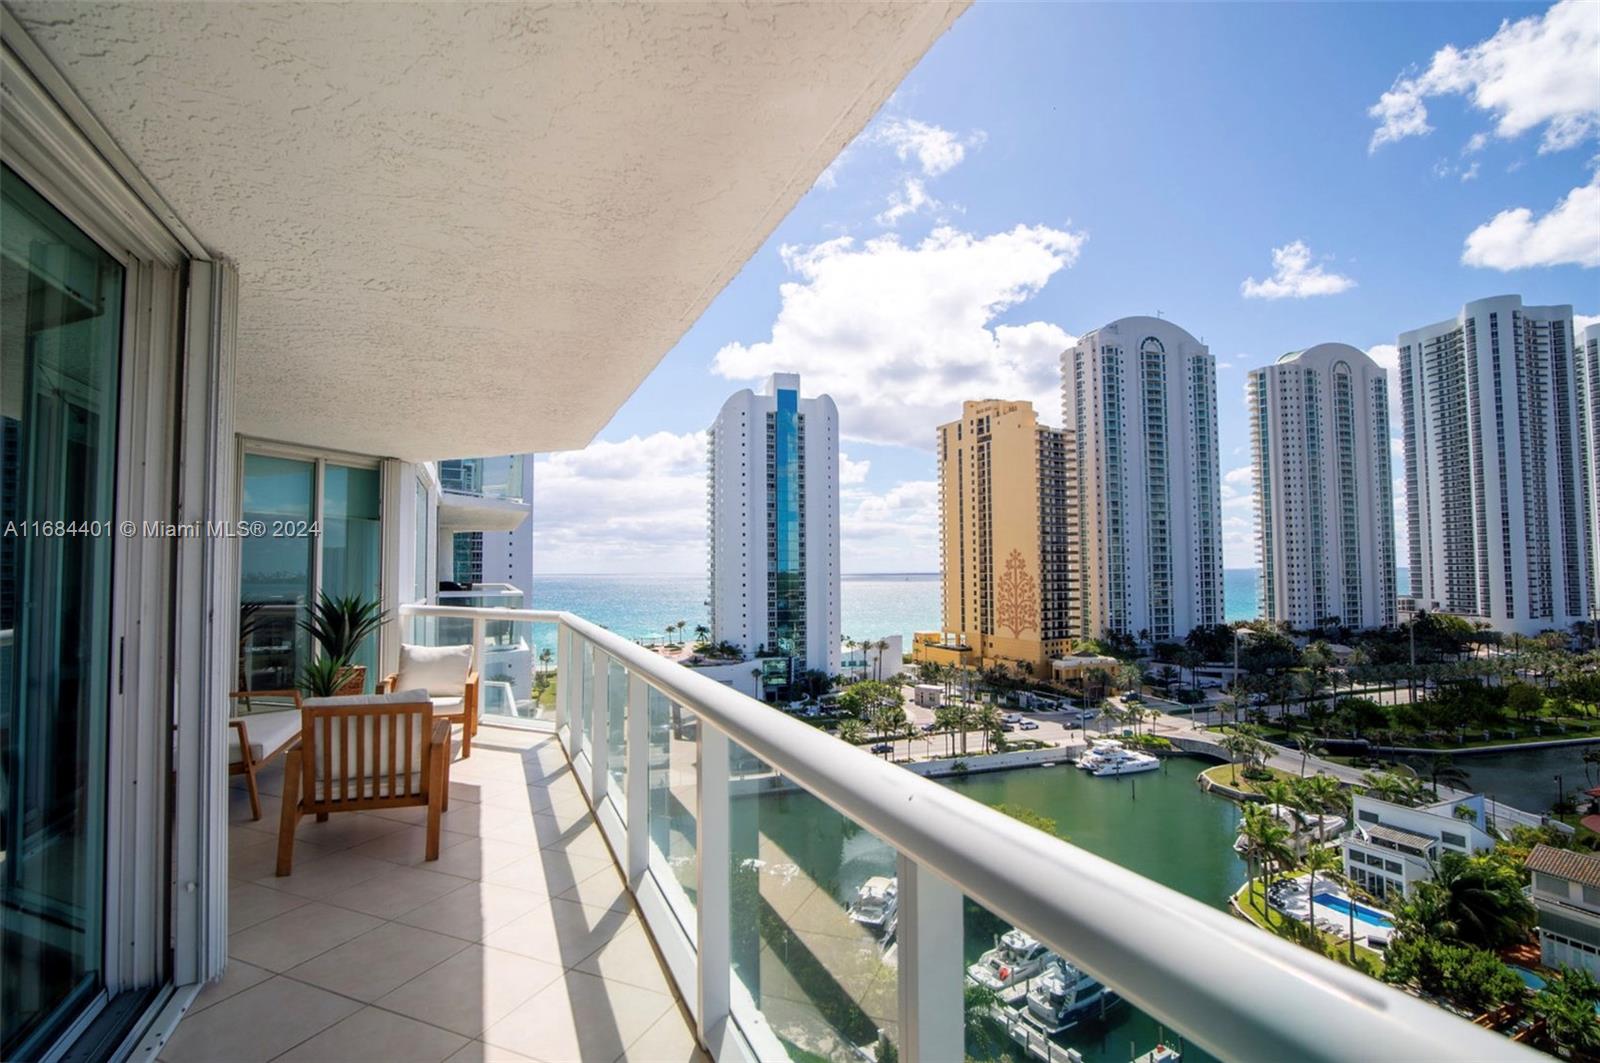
column 1258, row 912
column 1225, row 774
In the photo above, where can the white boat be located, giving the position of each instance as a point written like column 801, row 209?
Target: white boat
column 1099, row 751
column 876, row 903
column 1063, row 996
column 1125, row 762
column 1016, row 957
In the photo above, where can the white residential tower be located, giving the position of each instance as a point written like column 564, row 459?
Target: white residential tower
column 773, row 515
column 1319, row 431
column 1141, row 394
column 1494, row 477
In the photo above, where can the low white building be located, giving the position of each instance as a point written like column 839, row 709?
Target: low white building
column 1566, row 892
column 880, row 658
column 1391, row 846
column 928, row 695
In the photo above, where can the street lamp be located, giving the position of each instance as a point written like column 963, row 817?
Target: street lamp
column 1560, row 794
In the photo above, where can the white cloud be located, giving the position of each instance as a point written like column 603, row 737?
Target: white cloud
column 852, row 472
column 1543, row 70
column 1514, row 239
column 1239, row 542
column 638, row 503
column 1475, row 143
column 1583, row 321
column 1386, row 355
column 896, row 531
column 1294, row 276
column 899, row 334
column 1470, row 173
column 909, row 199
column 937, row 150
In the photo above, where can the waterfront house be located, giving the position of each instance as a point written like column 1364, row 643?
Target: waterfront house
column 1392, row 846
column 865, row 660
column 1566, row 892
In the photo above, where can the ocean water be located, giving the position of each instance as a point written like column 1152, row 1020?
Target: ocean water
column 641, row 607
column 872, row 606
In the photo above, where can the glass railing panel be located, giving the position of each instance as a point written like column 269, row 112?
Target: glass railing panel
column 813, row 921
column 517, row 670
column 586, row 653
column 1023, row 1001
column 617, row 732
column 673, row 799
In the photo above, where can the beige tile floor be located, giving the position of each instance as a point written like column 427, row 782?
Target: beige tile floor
column 518, row 943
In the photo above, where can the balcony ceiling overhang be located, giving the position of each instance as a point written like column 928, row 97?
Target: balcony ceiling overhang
column 466, row 513
column 469, row 230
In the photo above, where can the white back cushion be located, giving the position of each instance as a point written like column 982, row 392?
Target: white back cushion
column 377, row 755
column 436, row 669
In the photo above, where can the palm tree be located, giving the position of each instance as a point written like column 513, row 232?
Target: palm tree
column 701, row 633
column 850, row 645
column 880, row 646
column 1325, row 858
column 1484, row 900
column 1443, row 768
column 1395, row 789
column 852, row 731
column 1308, row 748
column 1266, row 845
column 1241, row 745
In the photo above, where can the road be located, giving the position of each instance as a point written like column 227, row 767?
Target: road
column 1063, row 728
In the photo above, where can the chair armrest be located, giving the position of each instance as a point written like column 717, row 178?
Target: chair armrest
column 387, row 683
column 440, row 750
column 472, row 695
column 441, row 733
column 244, row 740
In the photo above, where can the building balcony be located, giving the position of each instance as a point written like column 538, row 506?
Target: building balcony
column 659, row 867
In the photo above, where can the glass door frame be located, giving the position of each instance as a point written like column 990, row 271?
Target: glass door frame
column 139, row 920
column 320, row 459
column 165, row 921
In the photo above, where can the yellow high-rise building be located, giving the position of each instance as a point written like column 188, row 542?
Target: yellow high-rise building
column 1005, row 490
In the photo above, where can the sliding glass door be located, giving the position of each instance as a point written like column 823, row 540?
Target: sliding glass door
column 61, row 301
column 317, row 539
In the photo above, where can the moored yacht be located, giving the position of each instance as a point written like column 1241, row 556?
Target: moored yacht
column 876, row 904
column 1016, row 957
column 1064, row 996
column 1125, row 762
column 1099, row 751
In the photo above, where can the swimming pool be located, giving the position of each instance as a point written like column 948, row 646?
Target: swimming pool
column 1363, row 913
column 1529, row 978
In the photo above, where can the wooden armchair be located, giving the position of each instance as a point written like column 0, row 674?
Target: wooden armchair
column 257, row 738
column 450, row 677
column 364, row 752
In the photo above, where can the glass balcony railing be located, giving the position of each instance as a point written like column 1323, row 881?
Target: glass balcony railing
column 811, row 901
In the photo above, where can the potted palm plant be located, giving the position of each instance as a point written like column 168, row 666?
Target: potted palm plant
column 339, row 625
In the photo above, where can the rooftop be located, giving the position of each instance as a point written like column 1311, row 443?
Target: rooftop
column 1579, row 867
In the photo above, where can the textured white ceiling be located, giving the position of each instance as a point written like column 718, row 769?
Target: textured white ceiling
column 468, row 230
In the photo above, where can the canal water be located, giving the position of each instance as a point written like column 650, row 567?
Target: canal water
column 1526, row 778
column 1159, row 824
column 825, row 983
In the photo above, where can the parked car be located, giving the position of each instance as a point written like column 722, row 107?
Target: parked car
column 1030, row 725
column 1011, row 717
column 1088, row 714
column 1133, row 695
column 1007, row 728
column 928, row 728
column 883, row 747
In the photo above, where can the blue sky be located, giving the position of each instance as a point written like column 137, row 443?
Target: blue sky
column 1048, row 168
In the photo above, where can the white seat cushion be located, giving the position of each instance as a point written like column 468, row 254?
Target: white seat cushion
column 440, row 670
column 447, row 706
column 269, row 733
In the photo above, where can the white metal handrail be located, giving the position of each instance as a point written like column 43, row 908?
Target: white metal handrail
column 1227, row 986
